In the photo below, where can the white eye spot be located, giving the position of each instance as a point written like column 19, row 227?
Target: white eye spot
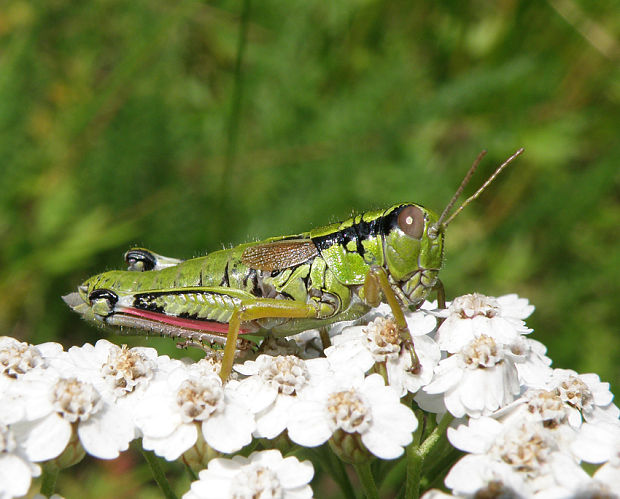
column 409, row 220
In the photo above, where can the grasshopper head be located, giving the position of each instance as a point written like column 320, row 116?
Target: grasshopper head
column 411, row 245
column 413, row 250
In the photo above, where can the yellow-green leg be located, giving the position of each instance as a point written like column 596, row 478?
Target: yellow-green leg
column 441, row 294
column 375, row 284
column 260, row 309
column 324, row 335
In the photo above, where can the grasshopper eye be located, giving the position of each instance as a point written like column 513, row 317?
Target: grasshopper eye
column 411, row 221
column 140, row 260
column 105, row 294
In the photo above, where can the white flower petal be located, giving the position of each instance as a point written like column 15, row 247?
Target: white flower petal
column 292, row 473
column 172, row 446
column 609, row 474
column 377, row 440
column 156, row 415
column 107, row 433
column 272, row 422
column 476, row 436
column 597, row 442
column 229, row 431
column 15, row 476
column 258, row 395
column 308, row 424
column 46, row 438
column 349, row 351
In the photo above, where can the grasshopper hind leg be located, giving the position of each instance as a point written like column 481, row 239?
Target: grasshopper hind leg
column 260, row 309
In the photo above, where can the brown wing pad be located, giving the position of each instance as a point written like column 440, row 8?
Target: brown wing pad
column 278, row 255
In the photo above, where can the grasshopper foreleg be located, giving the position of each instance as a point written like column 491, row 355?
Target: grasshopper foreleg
column 441, row 294
column 377, row 282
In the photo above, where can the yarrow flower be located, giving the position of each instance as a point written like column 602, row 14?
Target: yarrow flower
column 409, row 362
column 477, row 380
column 570, row 398
column 17, row 357
column 54, row 405
column 177, row 411
column 121, row 375
column 474, row 315
column 523, row 457
column 263, row 474
column 274, row 385
column 585, row 394
column 353, row 409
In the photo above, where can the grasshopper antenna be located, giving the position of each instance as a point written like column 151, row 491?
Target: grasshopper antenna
column 441, row 225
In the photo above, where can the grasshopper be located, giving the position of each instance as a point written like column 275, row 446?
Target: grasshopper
column 282, row 285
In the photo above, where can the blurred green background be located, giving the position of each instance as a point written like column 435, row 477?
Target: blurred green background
column 184, row 126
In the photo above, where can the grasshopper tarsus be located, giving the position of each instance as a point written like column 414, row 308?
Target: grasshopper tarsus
column 210, row 352
column 325, row 339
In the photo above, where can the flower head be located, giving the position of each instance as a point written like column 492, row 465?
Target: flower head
column 17, row 358
column 178, row 409
column 273, row 386
column 361, row 407
column 54, row 406
column 585, row 394
column 474, row 315
column 525, row 457
column 264, row 474
column 478, row 380
column 409, row 362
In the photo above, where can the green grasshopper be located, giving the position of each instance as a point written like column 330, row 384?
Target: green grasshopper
column 282, row 285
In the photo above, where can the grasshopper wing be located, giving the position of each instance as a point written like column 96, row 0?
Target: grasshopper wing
column 278, row 255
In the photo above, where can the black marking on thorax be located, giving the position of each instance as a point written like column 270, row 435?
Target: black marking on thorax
column 253, row 275
column 225, row 282
column 357, row 233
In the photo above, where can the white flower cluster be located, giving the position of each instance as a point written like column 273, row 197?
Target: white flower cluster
column 55, row 406
column 526, row 427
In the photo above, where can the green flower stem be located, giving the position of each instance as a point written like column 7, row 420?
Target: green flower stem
column 336, row 469
column 393, row 479
column 368, row 481
column 436, row 435
column 414, row 471
column 48, row 484
column 158, row 474
column 417, row 454
column 193, row 476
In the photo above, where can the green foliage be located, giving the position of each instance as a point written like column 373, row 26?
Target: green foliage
column 115, row 121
